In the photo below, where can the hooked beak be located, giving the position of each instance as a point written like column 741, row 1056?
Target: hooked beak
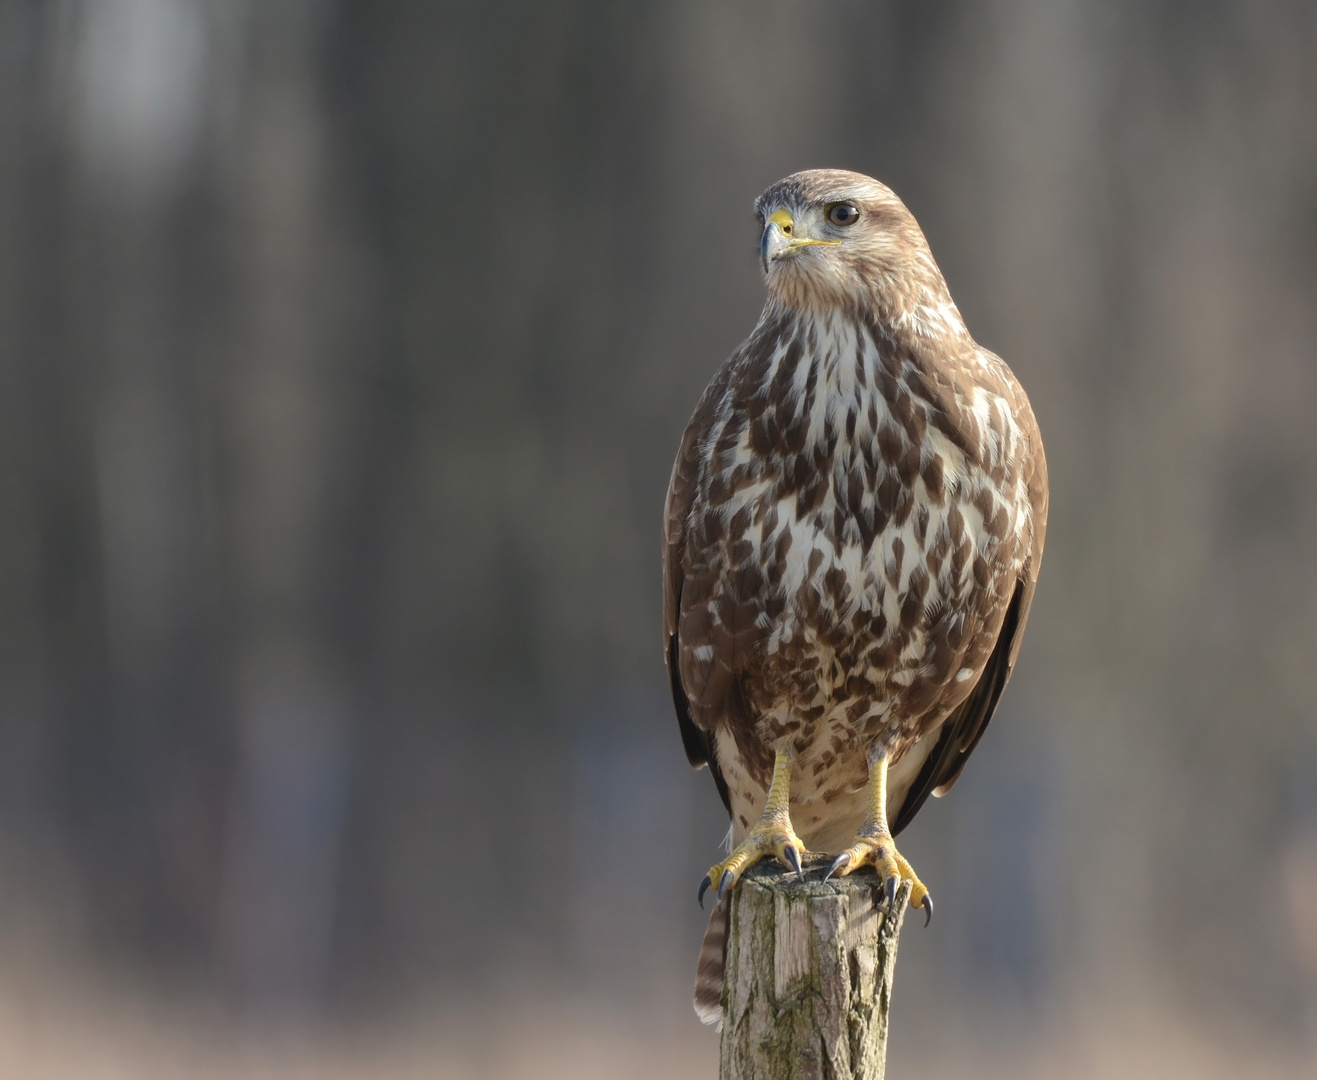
column 779, row 238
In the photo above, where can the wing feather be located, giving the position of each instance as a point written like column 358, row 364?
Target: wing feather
column 963, row 729
column 698, row 742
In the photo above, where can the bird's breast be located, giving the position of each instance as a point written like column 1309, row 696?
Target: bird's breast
column 866, row 518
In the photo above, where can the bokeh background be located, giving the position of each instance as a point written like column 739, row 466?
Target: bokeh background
column 344, row 349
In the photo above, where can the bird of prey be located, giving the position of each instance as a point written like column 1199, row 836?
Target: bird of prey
column 851, row 540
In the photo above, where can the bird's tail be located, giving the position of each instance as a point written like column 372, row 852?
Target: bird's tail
column 712, row 963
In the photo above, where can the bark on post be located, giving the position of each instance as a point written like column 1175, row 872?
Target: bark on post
column 809, row 976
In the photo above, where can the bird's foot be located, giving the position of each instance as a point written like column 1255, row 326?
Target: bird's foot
column 771, row 836
column 878, row 850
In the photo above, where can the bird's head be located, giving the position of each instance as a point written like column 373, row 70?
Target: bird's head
column 837, row 239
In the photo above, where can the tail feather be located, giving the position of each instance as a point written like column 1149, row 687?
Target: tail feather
column 712, row 963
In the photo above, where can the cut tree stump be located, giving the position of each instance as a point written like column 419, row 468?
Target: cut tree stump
column 809, row 975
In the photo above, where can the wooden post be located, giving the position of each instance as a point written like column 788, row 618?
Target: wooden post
column 809, row 976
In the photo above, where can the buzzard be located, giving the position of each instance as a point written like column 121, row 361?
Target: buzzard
column 851, row 540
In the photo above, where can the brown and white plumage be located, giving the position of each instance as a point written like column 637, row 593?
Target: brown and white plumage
column 853, row 528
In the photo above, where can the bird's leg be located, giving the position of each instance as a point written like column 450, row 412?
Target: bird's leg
column 772, row 834
column 874, row 845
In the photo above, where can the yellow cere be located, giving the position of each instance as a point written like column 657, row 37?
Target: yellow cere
column 784, row 221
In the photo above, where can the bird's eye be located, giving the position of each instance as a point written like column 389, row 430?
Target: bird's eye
column 843, row 214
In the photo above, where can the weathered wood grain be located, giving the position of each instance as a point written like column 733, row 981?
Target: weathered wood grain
column 810, row 966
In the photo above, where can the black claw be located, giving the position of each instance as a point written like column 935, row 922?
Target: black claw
column 928, row 909
column 793, row 857
column 704, row 887
column 893, row 883
column 725, row 883
column 840, row 862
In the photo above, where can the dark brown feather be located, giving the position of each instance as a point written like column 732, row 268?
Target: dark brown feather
column 964, row 728
column 697, row 742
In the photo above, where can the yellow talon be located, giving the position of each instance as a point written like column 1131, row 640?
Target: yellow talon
column 874, row 846
column 772, row 835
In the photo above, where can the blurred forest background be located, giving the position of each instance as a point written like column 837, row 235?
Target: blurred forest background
column 344, row 350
